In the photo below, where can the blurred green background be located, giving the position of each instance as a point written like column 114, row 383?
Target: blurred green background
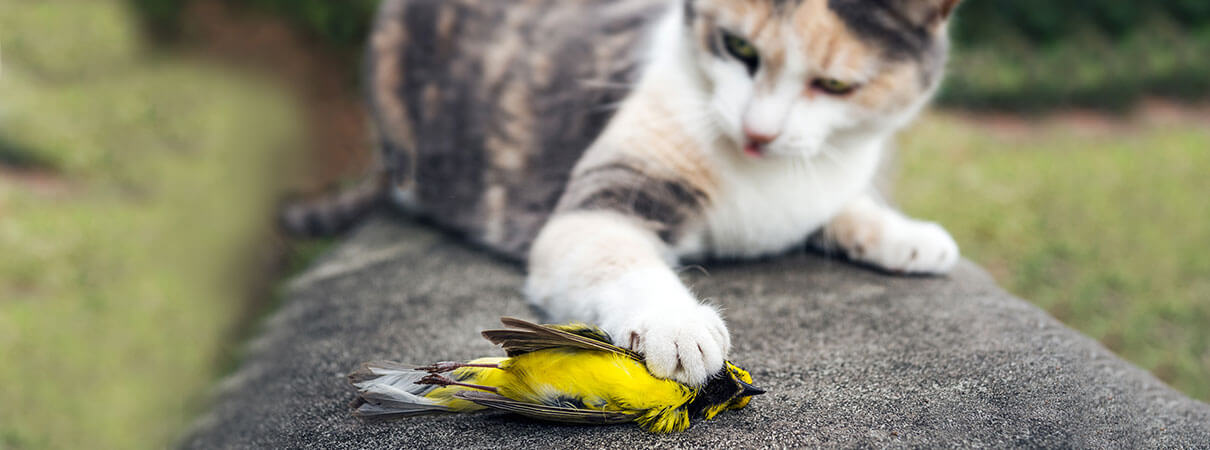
column 143, row 144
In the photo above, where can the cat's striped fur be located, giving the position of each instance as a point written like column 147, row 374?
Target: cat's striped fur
column 604, row 140
column 484, row 107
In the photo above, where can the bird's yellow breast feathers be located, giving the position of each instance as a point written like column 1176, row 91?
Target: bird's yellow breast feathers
column 578, row 379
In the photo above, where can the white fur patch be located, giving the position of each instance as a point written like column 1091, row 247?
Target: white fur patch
column 767, row 205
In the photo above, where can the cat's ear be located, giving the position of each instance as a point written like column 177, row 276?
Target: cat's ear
column 946, row 8
column 930, row 14
column 943, row 10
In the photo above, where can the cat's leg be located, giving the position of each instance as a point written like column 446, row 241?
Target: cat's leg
column 873, row 233
column 609, row 269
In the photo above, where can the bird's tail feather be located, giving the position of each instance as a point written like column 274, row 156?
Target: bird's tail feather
column 388, row 390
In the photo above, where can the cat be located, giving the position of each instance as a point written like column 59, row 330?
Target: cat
column 604, row 142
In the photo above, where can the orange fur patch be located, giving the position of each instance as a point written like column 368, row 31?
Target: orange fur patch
column 830, row 48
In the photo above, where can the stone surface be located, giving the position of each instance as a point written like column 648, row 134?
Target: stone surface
column 850, row 358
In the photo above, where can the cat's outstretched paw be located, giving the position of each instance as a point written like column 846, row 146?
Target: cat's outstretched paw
column 903, row 245
column 687, row 344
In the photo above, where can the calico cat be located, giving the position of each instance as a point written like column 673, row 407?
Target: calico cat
column 605, row 141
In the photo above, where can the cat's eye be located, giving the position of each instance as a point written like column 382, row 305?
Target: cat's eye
column 742, row 50
column 833, row 86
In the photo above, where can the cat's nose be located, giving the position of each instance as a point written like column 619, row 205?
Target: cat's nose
column 756, row 141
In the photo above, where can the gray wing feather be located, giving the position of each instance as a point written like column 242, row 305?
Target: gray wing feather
column 530, row 337
column 544, row 412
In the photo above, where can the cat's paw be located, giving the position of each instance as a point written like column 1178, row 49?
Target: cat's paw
column 904, row 245
column 687, row 343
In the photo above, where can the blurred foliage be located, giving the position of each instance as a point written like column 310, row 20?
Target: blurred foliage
column 132, row 196
column 981, row 22
column 339, row 22
column 1043, row 22
column 1020, row 55
column 1085, row 65
column 1106, row 227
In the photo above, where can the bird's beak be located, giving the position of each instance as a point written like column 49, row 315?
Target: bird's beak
column 749, row 390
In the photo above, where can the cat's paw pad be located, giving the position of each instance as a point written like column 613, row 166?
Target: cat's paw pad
column 684, row 344
column 909, row 246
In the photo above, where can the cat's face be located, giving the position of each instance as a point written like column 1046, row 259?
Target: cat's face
column 797, row 77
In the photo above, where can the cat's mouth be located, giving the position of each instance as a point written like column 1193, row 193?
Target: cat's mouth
column 757, row 144
column 754, row 149
column 766, row 150
column 774, row 151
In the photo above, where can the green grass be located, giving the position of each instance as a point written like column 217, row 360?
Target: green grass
column 120, row 284
column 1106, row 229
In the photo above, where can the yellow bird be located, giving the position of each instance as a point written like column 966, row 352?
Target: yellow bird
column 563, row 373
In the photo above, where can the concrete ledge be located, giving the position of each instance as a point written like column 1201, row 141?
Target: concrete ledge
column 850, row 358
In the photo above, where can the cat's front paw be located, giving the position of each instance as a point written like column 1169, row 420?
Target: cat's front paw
column 904, row 245
column 687, row 344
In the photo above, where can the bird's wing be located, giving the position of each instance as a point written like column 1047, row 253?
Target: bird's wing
column 544, row 412
column 528, row 337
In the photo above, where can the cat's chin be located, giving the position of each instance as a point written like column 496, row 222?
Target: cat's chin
column 781, row 154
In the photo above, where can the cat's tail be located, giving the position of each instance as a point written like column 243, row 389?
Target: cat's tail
column 334, row 212
column 387, row 390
